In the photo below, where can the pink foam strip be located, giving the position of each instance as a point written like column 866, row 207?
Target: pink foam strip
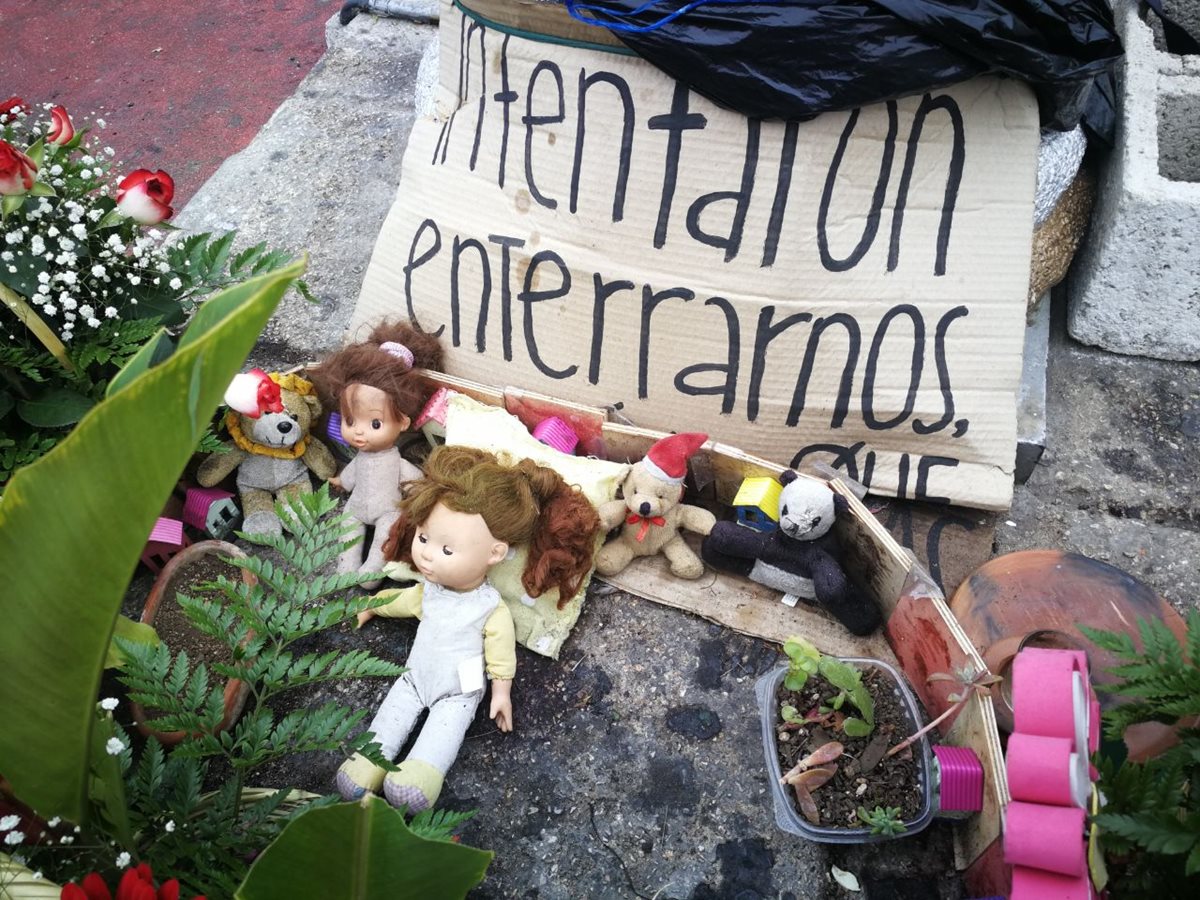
column 1045, row 837
column 1035, row 884
column 1039, row 769
column 1042, row 691
column 169, row 531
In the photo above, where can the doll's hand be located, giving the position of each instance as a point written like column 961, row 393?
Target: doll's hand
column 501, row 709
column 365, row 616
column 337, row 483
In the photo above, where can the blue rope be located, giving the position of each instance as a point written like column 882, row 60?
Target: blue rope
column 591, row 14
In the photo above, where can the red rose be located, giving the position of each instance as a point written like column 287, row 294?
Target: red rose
column 17, row 171
column 11, row 107
column 61, row 129
column 145, row 196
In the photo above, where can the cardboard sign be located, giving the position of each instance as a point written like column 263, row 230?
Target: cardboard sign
column 849, row 289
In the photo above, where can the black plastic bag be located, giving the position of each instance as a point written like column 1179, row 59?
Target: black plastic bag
column 794, row 59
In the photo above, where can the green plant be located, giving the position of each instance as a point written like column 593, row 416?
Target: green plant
column 972, row 680
column 1150, row 824
column 72, row 526
column 86, row 280
column 366, row 851
column 805, row 660
column 882, row 820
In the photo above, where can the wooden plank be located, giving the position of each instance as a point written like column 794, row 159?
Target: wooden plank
column 550, row 19
column 745, row 607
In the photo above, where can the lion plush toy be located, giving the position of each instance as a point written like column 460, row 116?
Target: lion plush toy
column 651, row 514
column 269, row 420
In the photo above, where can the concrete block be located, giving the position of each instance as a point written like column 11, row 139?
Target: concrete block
column 1031, row 394
column 1135, row 284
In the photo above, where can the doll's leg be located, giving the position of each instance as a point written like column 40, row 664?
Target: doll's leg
column 684, row 563
column 374, row 561
column 349, row 559
column 258, row 511
column 613, row 557
column 418, row 781
column 391, row 726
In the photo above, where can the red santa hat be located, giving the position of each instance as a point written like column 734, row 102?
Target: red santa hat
column 253, row 393
column 667, row 459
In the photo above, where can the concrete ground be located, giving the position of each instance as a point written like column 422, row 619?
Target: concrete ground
column 635, row 773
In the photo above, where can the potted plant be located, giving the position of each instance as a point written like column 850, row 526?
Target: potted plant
column 827, row 726
column 188, row 572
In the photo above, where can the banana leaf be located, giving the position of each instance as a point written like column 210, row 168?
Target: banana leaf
column 72, row 526
column 361, row 851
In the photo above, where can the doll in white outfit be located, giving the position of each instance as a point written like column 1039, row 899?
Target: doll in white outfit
column 378, row 393
column 458, row 522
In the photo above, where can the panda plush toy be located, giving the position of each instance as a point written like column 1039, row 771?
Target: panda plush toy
column 799, row 557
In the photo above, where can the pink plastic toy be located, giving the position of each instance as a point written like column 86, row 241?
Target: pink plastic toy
column 554, row 432
column 166, row 539
column 211, row 510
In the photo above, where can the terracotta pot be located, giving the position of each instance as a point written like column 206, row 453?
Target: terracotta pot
column 164, row 590
column 787, row 817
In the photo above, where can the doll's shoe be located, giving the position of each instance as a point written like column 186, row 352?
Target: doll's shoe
column 415, row 784
column 358, row 776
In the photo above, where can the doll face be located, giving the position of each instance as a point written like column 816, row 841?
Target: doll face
column 369, row 423
column 455, row 549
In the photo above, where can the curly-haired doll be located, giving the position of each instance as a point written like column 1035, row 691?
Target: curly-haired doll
column 374, row 386
column 458, row 522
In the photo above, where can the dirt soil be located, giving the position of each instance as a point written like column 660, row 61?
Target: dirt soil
column 176, row 629
column 865, row 777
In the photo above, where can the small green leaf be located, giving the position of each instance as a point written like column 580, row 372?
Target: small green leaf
column 41, row 189
column 856, row 728
column 111, row 218
column 11, row 204
column 134, row 632
column 55, row 408
column 37, row 152
column 794, row 680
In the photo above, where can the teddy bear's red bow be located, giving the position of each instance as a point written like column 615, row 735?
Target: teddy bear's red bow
column 646, row 521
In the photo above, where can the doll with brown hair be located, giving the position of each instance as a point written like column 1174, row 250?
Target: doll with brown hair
column 458, row 522
column 374, row 386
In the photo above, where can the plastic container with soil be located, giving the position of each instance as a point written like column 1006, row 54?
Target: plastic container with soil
column 181, row 571
column 788, row 816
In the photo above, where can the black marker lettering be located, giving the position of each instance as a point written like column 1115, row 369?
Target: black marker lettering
column 529, row 120
column 484, row 295
column 529, row 297
column 733, row 337
column 676, row 122
column 618, row 209
column 731, row 242
column 413, row 264
column 650, row 300
column 765, row 333
column 914, row 378
column 506, row 244
column 601, row 292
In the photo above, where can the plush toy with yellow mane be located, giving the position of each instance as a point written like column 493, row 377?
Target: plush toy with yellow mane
column 269, row 422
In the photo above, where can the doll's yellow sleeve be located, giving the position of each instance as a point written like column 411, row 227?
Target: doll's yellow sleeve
column 405, row 603
column 500, row 644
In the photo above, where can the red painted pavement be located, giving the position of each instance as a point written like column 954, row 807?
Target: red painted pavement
column 180, row 85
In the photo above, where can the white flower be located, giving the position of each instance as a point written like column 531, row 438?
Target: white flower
column 66, row 839
column 9, row 822
column 110, row 312
column 86, row 311
column 36, row 245
column 53, row 823
column 50, row 309
column 98, row 271
column 124, row 860
column 87, row 159
column 79, row 230
column 175, row 284
column 36, row 876
column 100, row 123
column 14, row 837
column 43, row 277
column 94, row 323
column 135, row 279
column 109, row 703
column 170, row 826
column 114, row 746
column 7, row 256
column 13, row 237
column 85, row 173
column 65, row 243
column 67, row 277
column 53, row 231
column 56, row 169
column 43, row 289
column 95, row 215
